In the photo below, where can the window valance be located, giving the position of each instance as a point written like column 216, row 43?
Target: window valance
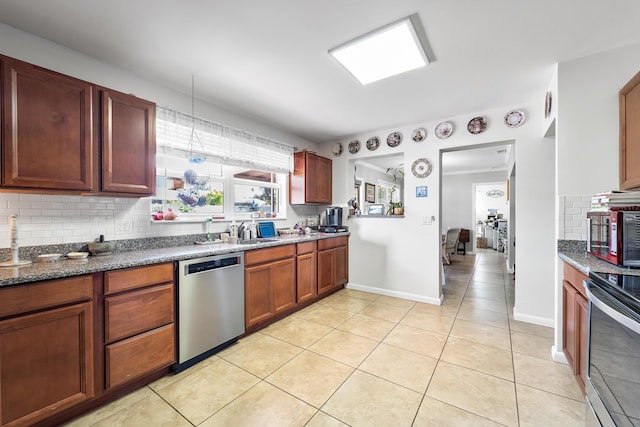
column 219, row 143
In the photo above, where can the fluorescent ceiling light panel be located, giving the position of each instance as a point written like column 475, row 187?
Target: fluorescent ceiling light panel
column 386, row 52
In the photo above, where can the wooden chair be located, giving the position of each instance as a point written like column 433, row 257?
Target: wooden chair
column 450, row 244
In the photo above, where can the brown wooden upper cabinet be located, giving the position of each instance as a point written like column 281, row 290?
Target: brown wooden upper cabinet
column 310, row 181
column 630, row 134
column 64, row 135
column 47, row 136
column 128, row 144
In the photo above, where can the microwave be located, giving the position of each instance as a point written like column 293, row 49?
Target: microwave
column 614, row 236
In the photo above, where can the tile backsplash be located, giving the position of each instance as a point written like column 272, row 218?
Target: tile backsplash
column 573, row 217
column 49, row 220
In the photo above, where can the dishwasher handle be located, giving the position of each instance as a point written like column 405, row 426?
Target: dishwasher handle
column 214, row 264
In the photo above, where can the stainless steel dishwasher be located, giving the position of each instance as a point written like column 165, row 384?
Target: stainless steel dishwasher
column 210, row 306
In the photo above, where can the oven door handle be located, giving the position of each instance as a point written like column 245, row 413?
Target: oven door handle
column 598, row 297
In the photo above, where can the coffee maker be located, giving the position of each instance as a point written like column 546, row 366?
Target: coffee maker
column 333, row 224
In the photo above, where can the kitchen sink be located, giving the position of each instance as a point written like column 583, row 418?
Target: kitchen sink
column 256, row 241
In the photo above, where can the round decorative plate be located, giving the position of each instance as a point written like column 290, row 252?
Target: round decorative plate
column 444, row 130
column 394, row 139
column 421, row 168
column 514, row 118
column 477, row 125
column 354, row 146
column 419, row 135
column 373, row 143
column 337, row 149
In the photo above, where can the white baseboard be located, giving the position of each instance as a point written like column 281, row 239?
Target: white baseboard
column 536, row 320
column 391, row 293
column 558, row 355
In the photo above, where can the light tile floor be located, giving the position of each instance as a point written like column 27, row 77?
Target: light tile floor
column 362, row 359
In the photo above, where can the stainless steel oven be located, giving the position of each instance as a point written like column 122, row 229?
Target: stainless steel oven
column 613, row 350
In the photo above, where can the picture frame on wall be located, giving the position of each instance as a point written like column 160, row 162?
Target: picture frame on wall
column 370, row 192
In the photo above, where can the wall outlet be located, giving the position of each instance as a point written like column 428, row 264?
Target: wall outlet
column 123, row 227
column 427, row 220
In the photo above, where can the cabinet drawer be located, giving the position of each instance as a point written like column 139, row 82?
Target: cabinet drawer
column 41, row 295
column 132, row 278
column 306, row 247
column 332, row 243
column 134, row 312
column 259, row 256
column 575, row 277
column 139, row 355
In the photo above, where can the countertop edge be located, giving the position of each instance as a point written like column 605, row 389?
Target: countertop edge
column 586, row 263
column 39, row 271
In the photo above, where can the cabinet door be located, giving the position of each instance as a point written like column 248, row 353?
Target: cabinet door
column 569, row 331
column 323, row 181
column 307, row 280
column 283, row 284
column 47, row 137
column 630, row 134
column 46, row 363
column 257, row 288
column 312, row 168
column 128, row 144
column 326, row 275
column 582, row 312
column 341, row 262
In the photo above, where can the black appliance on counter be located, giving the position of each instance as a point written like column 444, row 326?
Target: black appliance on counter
column 333, row 221
column 613, row 350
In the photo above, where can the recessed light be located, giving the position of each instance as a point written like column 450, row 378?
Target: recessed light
column 385, row 52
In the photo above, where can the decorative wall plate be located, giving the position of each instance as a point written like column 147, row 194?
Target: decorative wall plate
column 477, row 125
column 354, row 146
column 444, row 130
column 421, row 168
column 337, row 149
column 514, row 118
column 419, row 135
column 373, row 143
column 394, row 139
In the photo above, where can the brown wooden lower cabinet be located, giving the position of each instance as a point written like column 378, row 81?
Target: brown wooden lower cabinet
column 139, row 318
column 270, row 284
column 46, row 357
column 574, row 322
column 129, row 359
column 333, row 263
column 307, row 275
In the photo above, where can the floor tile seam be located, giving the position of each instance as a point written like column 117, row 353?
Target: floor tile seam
column 511, row 380
column 297, row 345
column 581, row 401
column 465, row 410
column 388, row 380
column 278, row 367
column 266, row 381
column 125, row 407
column 378, row 318
column 528, row 333
column 171, row 406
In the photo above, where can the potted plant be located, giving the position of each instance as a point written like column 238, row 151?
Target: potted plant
column 395, row 208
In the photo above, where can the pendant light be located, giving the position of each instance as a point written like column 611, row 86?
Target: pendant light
column 195, row 158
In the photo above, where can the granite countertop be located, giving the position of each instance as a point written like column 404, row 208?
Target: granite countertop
column 134, row 258
column 585, row 263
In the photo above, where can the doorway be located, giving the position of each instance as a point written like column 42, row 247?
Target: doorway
column 461, row 170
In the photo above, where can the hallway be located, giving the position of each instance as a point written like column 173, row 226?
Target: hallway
column 363, row 359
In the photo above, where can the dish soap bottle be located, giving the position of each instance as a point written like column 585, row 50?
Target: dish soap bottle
column 253, row 229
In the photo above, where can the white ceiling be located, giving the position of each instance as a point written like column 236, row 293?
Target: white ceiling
column 268, row 59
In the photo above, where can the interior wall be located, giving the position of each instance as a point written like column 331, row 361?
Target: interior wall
column 401, row 256
column 69, row 219
column 587, row 143
column 458, row 198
